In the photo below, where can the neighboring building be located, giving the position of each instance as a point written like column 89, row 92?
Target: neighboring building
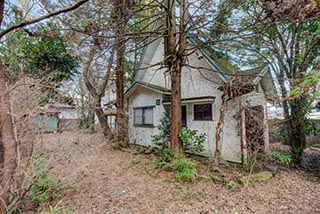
column 149, row 97
column 110, row 112
column 47, row 122
column 68, row 116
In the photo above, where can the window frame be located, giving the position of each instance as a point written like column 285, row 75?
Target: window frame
column 143, row 109
column 203, row 118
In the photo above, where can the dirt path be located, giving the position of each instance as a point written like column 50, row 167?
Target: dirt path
column 98, row 180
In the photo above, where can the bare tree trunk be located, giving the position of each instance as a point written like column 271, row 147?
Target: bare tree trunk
column 217, row 153
column 106, row 131
column 175, row 58
column 176, row 120
column 97, row 92
column 121, row 122
column 7, row 143
column 121, row 31
column 91, row 119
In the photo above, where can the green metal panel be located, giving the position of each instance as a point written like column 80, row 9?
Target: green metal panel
column 47, row 123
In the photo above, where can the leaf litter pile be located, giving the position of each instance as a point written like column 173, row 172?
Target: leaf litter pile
column 94, row 178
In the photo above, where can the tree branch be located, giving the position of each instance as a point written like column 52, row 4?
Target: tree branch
column 29, row 22
column 103, row 83
column 86, row 71
column 1, row 11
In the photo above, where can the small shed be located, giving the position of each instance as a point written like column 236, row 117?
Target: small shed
column 68, row 116
column 48, row 122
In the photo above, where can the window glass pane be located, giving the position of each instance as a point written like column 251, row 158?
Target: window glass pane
column 148, row 116
column 184, row 116
column 138, row 119
column 197, row 112
column 203, row 112
column 207, row 112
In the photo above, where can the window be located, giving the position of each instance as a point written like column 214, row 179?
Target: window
column 143, row 116
column 184, row 116
column 202, row 112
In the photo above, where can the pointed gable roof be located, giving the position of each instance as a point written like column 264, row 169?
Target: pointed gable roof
column 140, row 84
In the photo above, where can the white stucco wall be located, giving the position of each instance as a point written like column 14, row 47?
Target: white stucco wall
column 203, row 127
column 139, row 134
column 230, row 140
column 153, row 74
column 68, row 114
column 195, row 83
column 110, row 93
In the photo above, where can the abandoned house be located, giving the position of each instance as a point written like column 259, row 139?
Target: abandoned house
column 149, row 97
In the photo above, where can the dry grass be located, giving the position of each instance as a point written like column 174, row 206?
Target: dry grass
column 97, row 179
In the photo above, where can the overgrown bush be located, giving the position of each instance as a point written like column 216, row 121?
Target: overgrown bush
column 185, row 169
column 192, row 140
column 282, row 157
column 162, row 139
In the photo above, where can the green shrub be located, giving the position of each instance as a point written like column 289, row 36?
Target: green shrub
column 192, row 140
column 162, row 139
column 281, row 157
column 185, row 170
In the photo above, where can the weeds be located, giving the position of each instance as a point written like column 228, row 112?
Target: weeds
column 58, row 210
column 185, row 169
column 231, row 184
column 253, row 164
column 42, row 190
column 167, row 154
column 189, row 193
column 282, row 157
column 133, row 153
column 159, row 164
column 135, row 157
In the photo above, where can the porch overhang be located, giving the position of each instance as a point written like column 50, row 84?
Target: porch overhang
column 205, row 99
